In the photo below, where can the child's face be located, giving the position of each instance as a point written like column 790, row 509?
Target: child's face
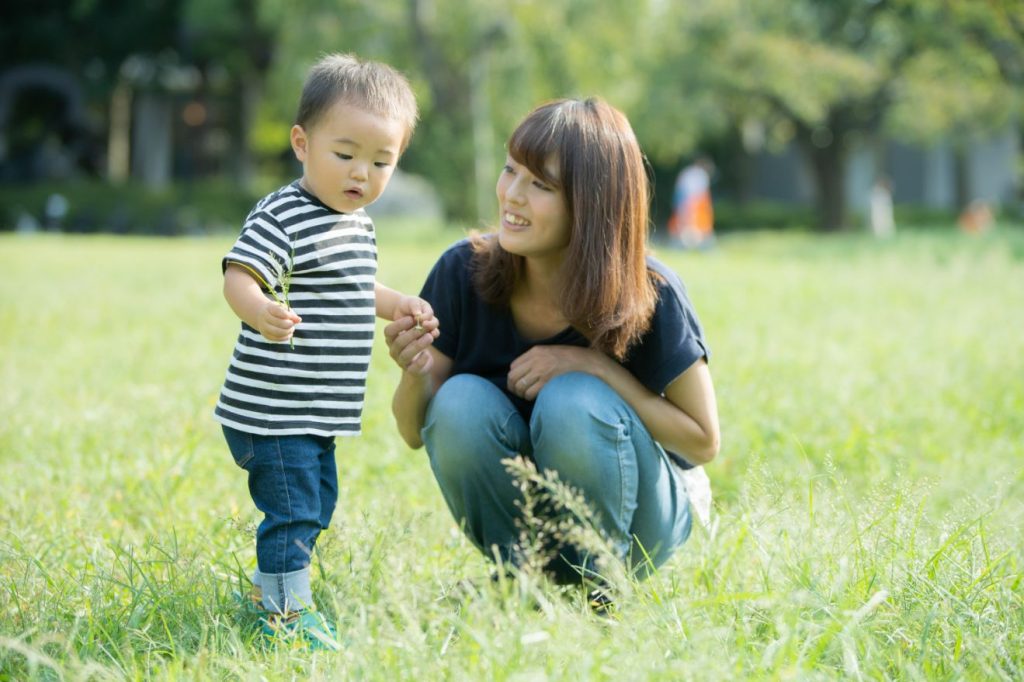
column 348, row 156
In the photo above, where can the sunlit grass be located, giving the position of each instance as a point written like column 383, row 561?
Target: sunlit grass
column 869, row 492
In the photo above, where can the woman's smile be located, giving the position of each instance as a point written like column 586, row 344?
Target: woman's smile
column 515, row 220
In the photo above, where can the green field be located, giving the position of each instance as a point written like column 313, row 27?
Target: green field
column 869, row 492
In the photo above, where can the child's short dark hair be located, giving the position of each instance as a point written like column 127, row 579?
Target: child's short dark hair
column 371, row 86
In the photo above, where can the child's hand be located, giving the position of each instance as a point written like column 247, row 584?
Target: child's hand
column 421, row 313
column 409, row 347
column 276, row 323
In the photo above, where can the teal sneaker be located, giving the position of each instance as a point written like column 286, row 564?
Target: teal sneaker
column 250, row 604
column 307, row 627
column 248, row 612
column 601, row 602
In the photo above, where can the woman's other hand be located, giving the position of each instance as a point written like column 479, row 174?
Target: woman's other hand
column 533, row 369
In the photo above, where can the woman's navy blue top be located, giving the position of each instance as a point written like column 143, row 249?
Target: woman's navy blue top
column 482, row 339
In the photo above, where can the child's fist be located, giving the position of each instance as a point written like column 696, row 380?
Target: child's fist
column 276, row 322
column 421, row 313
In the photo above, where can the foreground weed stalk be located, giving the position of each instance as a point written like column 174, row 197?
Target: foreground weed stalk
column 556, row 516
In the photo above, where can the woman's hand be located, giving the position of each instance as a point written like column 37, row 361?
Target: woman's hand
column 424, row 369
column 536, row 367
column 408, row 341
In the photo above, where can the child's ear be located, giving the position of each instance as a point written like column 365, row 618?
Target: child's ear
column 299, row 142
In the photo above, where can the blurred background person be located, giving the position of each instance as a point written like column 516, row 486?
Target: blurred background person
column 691, row 225
column 880, row 213
column 976, row 218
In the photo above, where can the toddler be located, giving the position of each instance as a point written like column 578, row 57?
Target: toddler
column 302, row 279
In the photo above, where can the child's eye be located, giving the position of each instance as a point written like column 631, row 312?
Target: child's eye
column 343, row 157
column 381, row 164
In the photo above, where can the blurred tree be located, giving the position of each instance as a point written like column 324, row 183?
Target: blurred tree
column 153, row 44
column 477, row 67
column 234, row 38
column 402, row 34
column 97, row 35
column 93, row 39
column 831, row 73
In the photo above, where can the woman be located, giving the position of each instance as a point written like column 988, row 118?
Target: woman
column 562, row 342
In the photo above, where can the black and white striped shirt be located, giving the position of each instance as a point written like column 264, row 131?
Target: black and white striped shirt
column 317, row 386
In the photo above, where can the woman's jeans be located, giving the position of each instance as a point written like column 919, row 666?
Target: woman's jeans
column 584, row 431
column 293, row 480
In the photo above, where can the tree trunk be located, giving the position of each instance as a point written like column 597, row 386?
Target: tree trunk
column 152, row 146
column 243, row 167
column 443, row 131
column 258, row 47
column 119, row 143
column 827, row 160
column 961, row 177
column 484, row 164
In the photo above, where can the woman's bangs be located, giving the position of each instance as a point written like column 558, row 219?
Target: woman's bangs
column 532, row 144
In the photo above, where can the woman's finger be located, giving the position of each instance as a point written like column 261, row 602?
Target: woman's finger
column 410, row 348
column 534, row 390
column 394, row 329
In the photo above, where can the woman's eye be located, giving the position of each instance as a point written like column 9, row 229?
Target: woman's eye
column 541, row 185
column 508, row 169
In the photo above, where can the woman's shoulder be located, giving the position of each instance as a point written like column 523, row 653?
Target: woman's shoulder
column 459, row 250
column 455, row 259
column 671, row 289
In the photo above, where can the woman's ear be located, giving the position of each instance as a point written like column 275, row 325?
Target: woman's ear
column 300, row 142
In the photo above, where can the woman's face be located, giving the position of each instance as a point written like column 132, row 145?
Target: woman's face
column 534, row 217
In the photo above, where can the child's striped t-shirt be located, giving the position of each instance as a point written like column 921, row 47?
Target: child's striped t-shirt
column 315, row 386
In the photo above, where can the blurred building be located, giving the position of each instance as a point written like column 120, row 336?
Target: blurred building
column 938, row 177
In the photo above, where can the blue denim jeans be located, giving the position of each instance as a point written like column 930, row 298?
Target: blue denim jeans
column 293, row 480
column 583, row 430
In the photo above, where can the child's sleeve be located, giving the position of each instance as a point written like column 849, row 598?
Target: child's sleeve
column 262, row 248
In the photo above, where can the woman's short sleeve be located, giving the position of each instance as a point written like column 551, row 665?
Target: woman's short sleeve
column 445, row 290
column 675, row 339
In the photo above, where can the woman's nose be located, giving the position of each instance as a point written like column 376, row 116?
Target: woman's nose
column 515, row 193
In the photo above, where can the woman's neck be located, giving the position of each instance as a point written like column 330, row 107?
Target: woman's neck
column 541, row 279
column 536, row 304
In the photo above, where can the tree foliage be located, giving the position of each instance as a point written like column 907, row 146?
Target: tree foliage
column 477, row 66
column 832, row 73
column 829, row 75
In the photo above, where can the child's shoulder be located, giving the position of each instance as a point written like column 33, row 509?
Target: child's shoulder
column 287, row 194
column 280, row 200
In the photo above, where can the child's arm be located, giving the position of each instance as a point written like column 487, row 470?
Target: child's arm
column 393, row 305
column 246, row 298
column 387, row 300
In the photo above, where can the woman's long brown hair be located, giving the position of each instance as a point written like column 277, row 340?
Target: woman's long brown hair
column 606, row 290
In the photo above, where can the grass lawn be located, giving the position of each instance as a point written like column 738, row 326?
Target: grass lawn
column 869, row 492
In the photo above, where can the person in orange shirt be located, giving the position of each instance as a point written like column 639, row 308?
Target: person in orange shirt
column 692, row 223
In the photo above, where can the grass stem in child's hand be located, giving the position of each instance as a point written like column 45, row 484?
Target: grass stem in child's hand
column 285, row 278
